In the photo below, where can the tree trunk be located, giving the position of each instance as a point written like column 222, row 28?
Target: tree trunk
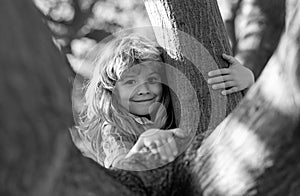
column 194, row 37
column 37, row 155
column 255, row 150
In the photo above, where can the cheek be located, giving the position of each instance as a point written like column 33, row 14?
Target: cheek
column 123, row 95
column 158, row 90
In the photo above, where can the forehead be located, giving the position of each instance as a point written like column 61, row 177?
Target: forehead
column 147, row 67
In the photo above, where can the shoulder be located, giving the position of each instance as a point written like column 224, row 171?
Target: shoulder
column 115, row 144
column 109, row 131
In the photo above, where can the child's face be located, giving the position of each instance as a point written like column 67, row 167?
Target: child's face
column 139, row 88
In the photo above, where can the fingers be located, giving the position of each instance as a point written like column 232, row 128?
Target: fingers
column 180, row 133
column 165, row 147
column 164, row 151
column 152, row 145
column 173, row 146
column 219, row 79
column 136, row 148
column 219, row 72
column 131, row 152
column 143, row 150
column 162, row 143
column 223, row 85
column 229, row 59
column 168, row 149
column 229, row 91
column 232, row 79
column 153, row 148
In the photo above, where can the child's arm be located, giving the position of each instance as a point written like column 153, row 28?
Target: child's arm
column 233, row 79
column 122, row 154
column 161, row 142
column 116, row 145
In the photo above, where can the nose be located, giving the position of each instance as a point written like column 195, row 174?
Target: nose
column 143, row 89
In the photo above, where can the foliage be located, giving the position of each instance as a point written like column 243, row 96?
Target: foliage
column 77, row 25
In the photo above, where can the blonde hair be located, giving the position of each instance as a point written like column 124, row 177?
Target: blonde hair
column 116, row 57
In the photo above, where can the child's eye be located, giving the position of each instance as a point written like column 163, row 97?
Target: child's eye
column 130, row 82
column 153, row 79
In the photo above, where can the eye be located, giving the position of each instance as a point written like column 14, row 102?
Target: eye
column 154, row 79
column 130, row 82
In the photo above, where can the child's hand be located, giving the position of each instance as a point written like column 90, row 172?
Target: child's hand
column 235, row 78
column 159, row 141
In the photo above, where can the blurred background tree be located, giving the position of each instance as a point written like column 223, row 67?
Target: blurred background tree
column 78, row 25
column 254, row 28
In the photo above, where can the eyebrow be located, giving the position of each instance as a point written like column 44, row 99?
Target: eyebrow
column 152, row 73
column 122, row 79
column 133, row 75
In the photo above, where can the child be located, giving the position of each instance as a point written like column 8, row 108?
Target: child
column 128, row 107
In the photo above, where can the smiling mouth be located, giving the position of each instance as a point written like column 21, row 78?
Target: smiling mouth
column 143, row 100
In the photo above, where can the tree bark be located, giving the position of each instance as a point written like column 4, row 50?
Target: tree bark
column 37, row 155
column 255, row 150
column 193, row 35
column 189, row 32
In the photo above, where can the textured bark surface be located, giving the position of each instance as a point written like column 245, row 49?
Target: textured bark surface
column 190, row 31
column 256, row 149
column 37, row 156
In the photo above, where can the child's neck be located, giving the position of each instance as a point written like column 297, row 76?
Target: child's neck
column 148, row 116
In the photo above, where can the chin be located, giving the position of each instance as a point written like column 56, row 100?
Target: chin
column 140, row 113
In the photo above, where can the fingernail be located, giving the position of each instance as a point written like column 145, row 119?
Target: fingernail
column 208, row 81
column 209, row 73
column 214, row 86
column 175, row 153
column 223, row 93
